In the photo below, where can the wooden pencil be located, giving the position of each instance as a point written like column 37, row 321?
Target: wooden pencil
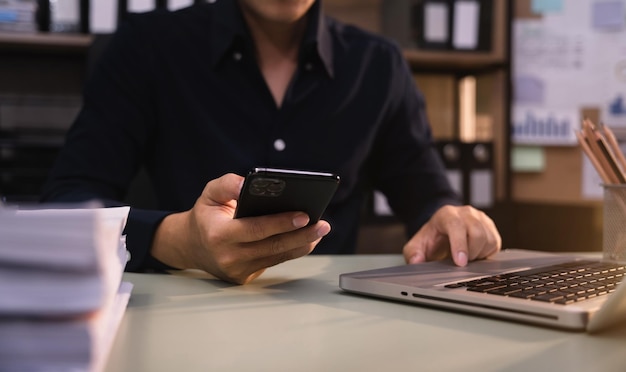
column 588, row 131
column 591, row 156
column 610, row 137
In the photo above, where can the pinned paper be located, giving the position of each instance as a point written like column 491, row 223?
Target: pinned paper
column 608, row 15
column 541, row 126
column 618, row 106
column 528, row 159
column 615, row 112
column 547, row 6
column 528, row 89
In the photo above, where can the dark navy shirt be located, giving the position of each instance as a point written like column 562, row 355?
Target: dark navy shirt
column 181, row 94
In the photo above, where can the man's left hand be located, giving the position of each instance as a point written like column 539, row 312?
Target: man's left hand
column 464, row 232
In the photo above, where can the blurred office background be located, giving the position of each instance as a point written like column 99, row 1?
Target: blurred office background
column 505, row 83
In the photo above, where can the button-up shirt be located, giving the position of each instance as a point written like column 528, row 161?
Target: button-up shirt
column 181, row 95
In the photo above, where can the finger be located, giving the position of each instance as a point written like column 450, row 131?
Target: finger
column 494, row 240
column 414, row 250
column 251, row 277
column 281, row 249
column 477, row 240
column 253, row 229
column 223, row 190
column 417, row 257
column 282, row 243
column 243, row 264
column 483, row 237
column 265, row 262
column 458, row 236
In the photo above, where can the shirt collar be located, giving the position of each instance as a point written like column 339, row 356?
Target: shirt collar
column 229, row 31
column 317, row 38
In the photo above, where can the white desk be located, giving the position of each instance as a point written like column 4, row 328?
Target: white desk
column 295, row 318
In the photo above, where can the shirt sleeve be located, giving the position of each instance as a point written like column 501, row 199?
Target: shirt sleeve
column 409, row 170
column 140, row 230
column 105, row 146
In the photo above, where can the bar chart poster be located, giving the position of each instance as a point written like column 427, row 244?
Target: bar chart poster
column 567, row 55
column 541, row 126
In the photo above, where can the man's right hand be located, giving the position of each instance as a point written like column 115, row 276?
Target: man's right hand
column 207, row 237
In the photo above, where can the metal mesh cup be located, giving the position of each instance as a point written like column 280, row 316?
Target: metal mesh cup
column 614, row 223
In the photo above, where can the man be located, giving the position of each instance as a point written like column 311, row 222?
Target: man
column 200, row 96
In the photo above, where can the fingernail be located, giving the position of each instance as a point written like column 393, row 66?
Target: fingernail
column 300, row 220
column 461, row 258
column 323, row 230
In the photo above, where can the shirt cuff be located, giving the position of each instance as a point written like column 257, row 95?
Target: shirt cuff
column 140, row 229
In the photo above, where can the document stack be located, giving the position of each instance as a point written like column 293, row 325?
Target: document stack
column 61, row 292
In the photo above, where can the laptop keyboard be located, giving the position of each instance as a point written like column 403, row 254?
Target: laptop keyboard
column 559, row 284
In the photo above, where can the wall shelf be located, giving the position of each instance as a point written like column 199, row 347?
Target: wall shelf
column 45, row 42
column 453, row 61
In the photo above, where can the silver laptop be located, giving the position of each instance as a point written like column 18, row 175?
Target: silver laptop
column 562, row 291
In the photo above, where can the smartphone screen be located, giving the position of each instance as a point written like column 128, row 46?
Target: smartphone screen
column 271, row 190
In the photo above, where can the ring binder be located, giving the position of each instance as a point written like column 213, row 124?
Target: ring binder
column 92, row 16
column 469, row 167
column 452, row 25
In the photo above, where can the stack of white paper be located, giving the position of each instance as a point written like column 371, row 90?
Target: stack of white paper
column 61, row 294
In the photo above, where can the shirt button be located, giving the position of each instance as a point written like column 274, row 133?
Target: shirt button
column 308, row 67
column 237, row 56
column 279, row 145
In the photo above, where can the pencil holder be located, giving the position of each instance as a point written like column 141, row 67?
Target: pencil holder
column 614, row 223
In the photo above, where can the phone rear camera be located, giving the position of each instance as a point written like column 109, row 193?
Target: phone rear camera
column 270, row 187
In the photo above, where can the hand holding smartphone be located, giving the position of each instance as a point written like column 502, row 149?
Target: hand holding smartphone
column 271, row 190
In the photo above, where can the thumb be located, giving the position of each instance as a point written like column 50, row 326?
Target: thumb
column 223, row 190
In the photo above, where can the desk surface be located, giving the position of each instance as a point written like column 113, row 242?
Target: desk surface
column 295, row 318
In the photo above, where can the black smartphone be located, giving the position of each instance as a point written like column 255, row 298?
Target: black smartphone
column 271, row 190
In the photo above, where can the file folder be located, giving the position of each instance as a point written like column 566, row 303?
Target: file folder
column 451, row 154
column 469, row 167
column 179, row 4
column 464, row 25
column 103, row 17
column 96, row 16
column 69, row 16
column 140, row 6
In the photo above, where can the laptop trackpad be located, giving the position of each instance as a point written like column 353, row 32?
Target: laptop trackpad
column 443, row 272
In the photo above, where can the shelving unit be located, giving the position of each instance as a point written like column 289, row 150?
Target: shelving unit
column 550, row 203
column 437, row 74
column 54, row 64
column 40, row 42
column 38, row 73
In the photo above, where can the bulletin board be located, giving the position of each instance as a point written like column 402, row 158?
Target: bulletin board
column 568, row 62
